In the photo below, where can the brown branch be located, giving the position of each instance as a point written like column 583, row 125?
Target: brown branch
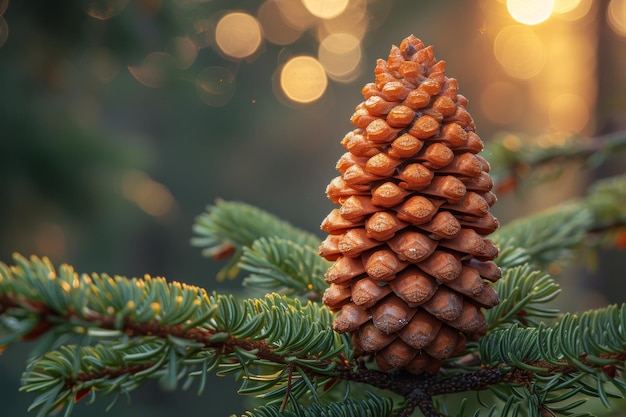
column 419, row 390
column 47, row 319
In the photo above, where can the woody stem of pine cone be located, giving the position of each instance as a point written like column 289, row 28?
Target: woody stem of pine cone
column 419, row 390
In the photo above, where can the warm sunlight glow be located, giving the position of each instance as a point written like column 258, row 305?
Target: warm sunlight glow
column 303, row 79
column 215, row 86
column 501, row 102
column 325, row 9
column 616, row 16
column 530, row 12
column 572, row 9
column 238, row 35
column 564, row 6
column 520, row 52
column 340, row 54
column 569, row 113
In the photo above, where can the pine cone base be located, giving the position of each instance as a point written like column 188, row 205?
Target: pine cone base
column 412, row 266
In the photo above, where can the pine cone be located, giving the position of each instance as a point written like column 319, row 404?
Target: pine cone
column 412, row 264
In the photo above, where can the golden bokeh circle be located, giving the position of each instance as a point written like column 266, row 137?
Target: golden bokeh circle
column 530, row 12
column 296, row 15
column 275, row 28
column 303, row 79
column 520, row 51
column 565, row 6
column 340, row 54
column 238, row 35
column 616, row 16
column 572, row 9
column 325, row 9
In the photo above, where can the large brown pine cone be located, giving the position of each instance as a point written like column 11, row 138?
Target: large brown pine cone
column 411, row 264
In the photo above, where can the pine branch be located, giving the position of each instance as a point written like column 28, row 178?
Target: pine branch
column 576, row 354
column 606, row 201
column 371, row 406
column 523, row 293
column 511, row 162
column 283, row 265
column 276, row 345
column 279, row 347
column 225, row 228
column 175, row 326
column 551, row 236
column 544, row 238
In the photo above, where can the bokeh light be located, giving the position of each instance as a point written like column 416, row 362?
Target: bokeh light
column 238, row 35
column 155, row 70
column 530, row 12
column 216, row 86
column 325, row 9
column 355, row 20
column 154, row 198
column 572, row 9
column 565, row 6
column 569, row 113
column 4, row 4
column 184, row 50
column 303, row 79
column 502, row 102
column 340, row 55
column 616, row 16
column 512, row 142
column 105, row 9
column 275, row 29
column 520, row 51
column 296, row 15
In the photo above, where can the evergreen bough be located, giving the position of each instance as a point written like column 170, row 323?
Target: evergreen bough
column 124, row 331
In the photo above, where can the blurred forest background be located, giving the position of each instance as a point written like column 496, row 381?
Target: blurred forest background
column 120, row 120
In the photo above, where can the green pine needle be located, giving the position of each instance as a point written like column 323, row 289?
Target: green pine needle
column 228, row 226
